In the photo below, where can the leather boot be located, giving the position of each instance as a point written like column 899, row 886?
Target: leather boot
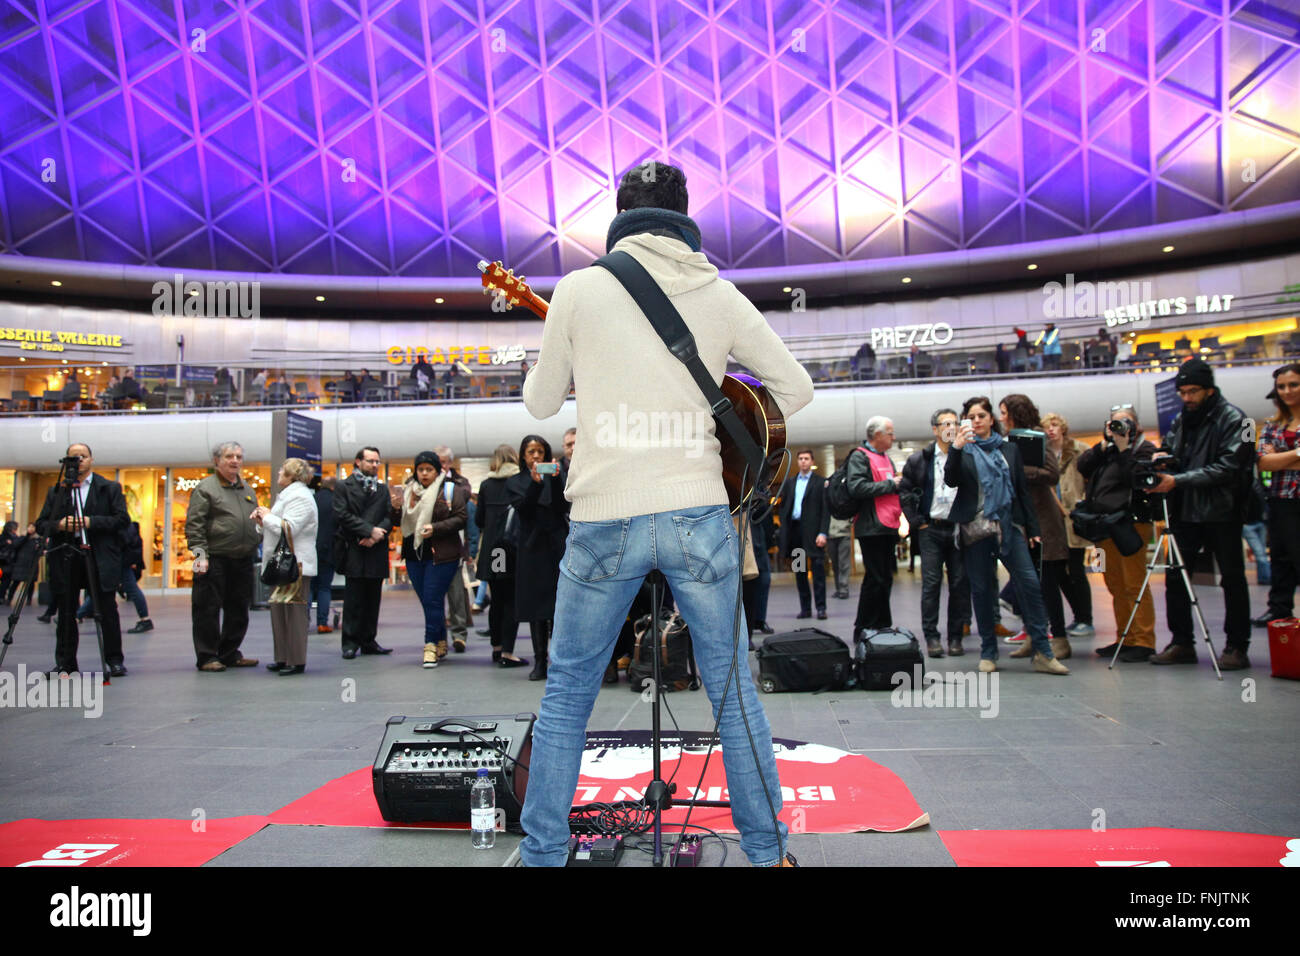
column 1061, row 648
column 541, row 632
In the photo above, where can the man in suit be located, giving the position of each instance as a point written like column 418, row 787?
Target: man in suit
column 363, row 517
column 927, row 502
column 103, row 519
column 805, row 523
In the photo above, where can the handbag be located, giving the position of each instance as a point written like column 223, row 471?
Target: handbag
column 282, row 567
column 977, row 529
column 510, row 533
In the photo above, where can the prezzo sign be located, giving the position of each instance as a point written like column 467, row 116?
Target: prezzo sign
column 905, row 336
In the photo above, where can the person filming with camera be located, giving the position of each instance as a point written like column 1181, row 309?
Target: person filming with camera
column 1109, row 467
column 1204, row 468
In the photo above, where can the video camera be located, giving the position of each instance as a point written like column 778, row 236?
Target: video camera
column 1146, row 474
column 70, row 470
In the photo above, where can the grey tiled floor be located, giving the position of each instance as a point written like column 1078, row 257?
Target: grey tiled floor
column 1150, row 746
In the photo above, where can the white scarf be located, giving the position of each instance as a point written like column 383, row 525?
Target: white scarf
column 417, row 509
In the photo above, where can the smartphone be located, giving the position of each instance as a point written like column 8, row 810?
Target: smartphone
column 548, row 468
column 966, row 424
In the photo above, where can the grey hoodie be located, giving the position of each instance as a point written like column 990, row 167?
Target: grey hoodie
column 646, row 439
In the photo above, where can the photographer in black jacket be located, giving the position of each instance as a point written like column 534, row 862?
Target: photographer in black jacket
column 1207, row 482
column 1108, row 468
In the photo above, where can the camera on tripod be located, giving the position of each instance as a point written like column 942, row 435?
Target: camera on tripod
column 1147, row 474
column 71, row 470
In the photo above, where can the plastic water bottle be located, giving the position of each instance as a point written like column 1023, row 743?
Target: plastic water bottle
column 483, row 811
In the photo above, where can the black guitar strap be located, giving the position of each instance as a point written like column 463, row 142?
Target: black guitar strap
column 668, row 323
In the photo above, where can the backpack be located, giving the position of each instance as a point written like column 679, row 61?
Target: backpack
column 842, row 504
column 676, row 660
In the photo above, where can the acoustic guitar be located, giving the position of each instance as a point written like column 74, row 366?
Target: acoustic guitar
column 754, row 404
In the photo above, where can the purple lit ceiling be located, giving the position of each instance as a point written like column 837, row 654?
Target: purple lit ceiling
column 412, row 138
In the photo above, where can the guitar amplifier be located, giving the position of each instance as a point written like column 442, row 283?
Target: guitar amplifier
column 426, row 766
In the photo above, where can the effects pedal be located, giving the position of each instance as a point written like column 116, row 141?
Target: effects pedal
column 591, row 850
column 686, row 852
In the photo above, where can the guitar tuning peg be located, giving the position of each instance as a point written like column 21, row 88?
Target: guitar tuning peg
column 514, row 301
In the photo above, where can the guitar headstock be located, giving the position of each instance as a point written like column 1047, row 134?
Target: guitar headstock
column 509, row 288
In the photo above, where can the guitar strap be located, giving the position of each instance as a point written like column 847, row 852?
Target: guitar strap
column 668, row 323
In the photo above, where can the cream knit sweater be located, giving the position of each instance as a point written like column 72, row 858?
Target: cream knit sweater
column 645, row 436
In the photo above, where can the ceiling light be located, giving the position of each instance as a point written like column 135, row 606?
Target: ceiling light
column 440, row 300
column 1032, row 266
column 1167, row 249
column 786, row 289
column 55, row 282
column 906, row 279
column 320, row 298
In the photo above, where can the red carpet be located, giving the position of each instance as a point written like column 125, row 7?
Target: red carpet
column 824, row 790
column 120, row 842
column 1151, row 846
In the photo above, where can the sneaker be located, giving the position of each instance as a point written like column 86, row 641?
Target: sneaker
column 1079, row 629
column 1134, row 654
column 1049, row 665
column 142, row 625
column 1233, row 659
column 441, row 649
column 324, row 629
column 987, row 666
column 1017, row 638
column 1061, row 649
column 1175, row 654
column 430, row 655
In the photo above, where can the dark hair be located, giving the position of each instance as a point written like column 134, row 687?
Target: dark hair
column 528, row 440
column 653, row 184
column 987, row 402
column 1023, row 411
column 934, row 419
column 1283, row 412
column 362, row 453
column 805, row 451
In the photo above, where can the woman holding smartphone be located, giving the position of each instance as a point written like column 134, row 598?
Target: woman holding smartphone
column 995, row 516
column 537, row 495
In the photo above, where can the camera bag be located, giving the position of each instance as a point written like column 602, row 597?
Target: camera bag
column 880, row 654
column 806, row 659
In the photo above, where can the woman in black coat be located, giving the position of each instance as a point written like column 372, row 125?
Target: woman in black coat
column 496, row 557
column 537, row 494
column 989, row 476
column 26, row 555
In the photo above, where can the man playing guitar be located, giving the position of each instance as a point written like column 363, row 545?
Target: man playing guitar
column 647, row 492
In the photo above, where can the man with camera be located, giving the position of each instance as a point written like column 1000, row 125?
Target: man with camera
column 1205, row 469
column 927, row 501
column 99, row 526
column 1109, row 468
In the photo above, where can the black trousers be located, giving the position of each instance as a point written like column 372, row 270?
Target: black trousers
column 879, row 560
column 1284, row 554
column 1077, row 590
column 66, row 600
column 502, row 623
column 361, row 598
column 1223, row 540
column 939, row 551
column 219, row 606
column 815, row 561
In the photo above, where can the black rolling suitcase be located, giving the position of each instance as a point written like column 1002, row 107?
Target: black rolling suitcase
column 803, row 660
column 880, row 654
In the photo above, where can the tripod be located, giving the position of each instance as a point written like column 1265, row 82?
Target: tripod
column 1168, row 545
column 24, row 594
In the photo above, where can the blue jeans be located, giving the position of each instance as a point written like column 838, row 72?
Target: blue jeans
column 1254, row 535
column 131, row 587
column 320, row 586
column 981, row 570
column 604, row 565
column 431, row 582
column 480, row 595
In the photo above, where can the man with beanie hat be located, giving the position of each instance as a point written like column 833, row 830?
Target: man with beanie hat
column 1207, row 500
